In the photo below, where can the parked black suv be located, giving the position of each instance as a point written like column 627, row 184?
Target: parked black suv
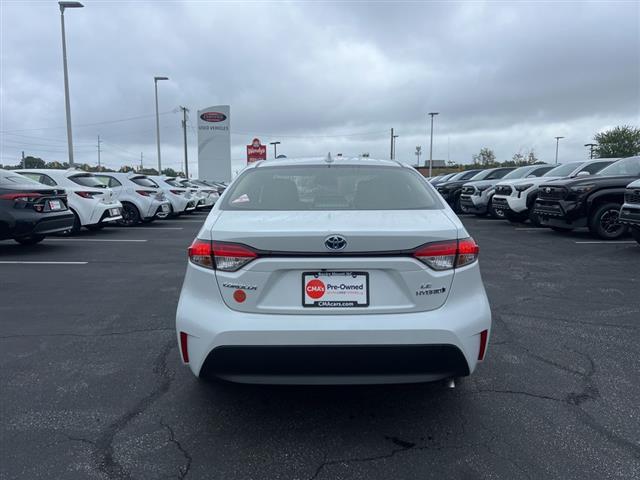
column 30, row 210
column 451, row 189
column 592, row 202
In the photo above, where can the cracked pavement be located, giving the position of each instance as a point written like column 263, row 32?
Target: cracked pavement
column 91, row 386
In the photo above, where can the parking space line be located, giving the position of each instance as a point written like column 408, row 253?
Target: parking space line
column 91, row 240
column 41, row 263
column 150, row 228
column 606, row 242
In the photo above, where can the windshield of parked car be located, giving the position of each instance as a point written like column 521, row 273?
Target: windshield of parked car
column 87, row 181
column 482, row 175
column 496, row 174
column 471, row 175
column 626, row 166
column 331, row 187
column 563, row 170
column 144, row 182
column 518, row 173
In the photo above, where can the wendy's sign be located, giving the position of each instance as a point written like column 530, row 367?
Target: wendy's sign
column 256, row 151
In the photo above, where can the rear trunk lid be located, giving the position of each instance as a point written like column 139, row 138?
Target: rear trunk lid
column 374, row 273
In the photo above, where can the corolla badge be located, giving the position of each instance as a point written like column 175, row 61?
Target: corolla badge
column 335, row 242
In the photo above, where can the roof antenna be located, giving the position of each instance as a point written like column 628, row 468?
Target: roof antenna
column 328, row 159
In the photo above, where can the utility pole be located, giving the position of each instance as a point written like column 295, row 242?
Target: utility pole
column 557, row 144
column 23, row 159
column 391, row 154
column 155, row 83
column 591, row 146
column 184, row 133
column 394, row 146
column 141, row 167
column 418, row 152
column 99, row 152
column 432, row 114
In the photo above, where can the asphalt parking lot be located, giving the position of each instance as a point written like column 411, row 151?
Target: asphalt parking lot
column 92, row 386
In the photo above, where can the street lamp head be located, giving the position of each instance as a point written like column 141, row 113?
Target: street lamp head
column 434, row 113
column 64, row 5
column 155, row 79
column 558, row 138
column 274, row 143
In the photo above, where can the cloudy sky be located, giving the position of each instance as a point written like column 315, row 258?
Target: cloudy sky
column 320, row 76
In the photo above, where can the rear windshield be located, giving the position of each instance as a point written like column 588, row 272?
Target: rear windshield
column 87, row 181
column 144, row 182
column 331, row 187
column 173, row 183
column 18, row 179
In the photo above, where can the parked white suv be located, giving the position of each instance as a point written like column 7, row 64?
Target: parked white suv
column 180, row 198
column 92, row 203
column 141, row 198
column 517, row 199
column 320, row 271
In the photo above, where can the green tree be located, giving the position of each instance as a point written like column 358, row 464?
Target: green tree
column 33, row 162
column 169, row 172
column 484, row 157
column 621, row 141
column 126, row 169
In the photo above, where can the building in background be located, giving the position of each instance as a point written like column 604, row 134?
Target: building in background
column 214, row 143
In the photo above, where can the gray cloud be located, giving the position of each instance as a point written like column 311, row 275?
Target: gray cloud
column 507, row 76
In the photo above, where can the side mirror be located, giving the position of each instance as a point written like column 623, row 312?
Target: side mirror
column 583, row 174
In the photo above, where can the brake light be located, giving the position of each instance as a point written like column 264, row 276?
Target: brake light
column 448, row 254
column 229, row 257
column 23, row 196
column 201, row 253
column 87, row 194
column 177, row 192
column 144, row 193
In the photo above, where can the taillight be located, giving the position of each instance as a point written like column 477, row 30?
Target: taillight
column 201, row 253
column 23, row 196
column 484, row 335
column 448, row 254
column 229, row 257
column 176, row 192
column 184, row 347
column 88, row 194
column 144, row 193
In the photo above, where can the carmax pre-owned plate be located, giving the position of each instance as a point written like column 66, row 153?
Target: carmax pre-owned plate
column 335, row 289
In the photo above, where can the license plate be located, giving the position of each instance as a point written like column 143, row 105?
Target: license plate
column 114, row 212
column 335, row 289
column 165, row 208
column 55, row 205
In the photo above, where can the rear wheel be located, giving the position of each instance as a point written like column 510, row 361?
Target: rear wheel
column 130, row 215
column 30, row 240
column 75, row 229
column 604, row 224
column 635, row 233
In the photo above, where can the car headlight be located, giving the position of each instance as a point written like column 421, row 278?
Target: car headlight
column 579, row 189
column 522, row 188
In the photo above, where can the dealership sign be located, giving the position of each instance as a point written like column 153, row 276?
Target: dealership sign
column 214, row 143
column 256, row 151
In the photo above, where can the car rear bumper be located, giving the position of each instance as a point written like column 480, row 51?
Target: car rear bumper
column 29, row 223
column 103, row 213
column 216, row 335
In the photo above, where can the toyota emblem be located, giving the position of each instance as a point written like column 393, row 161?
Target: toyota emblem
column 335, row 242
column 547, row 190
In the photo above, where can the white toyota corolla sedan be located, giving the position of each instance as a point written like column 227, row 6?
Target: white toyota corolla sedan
column 332, row 272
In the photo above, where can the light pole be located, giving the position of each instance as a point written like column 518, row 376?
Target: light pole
column 64, row 5
column 418, row 153
column 590, row 145
column 155, row 82
column 275, row 148
column 432, row 114
column 557, row 143
column 394, row 146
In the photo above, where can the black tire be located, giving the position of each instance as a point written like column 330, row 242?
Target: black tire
column 456, row 205
column 75, row 229
column 635, row 233
column 497, row 214
column 130, row 215
column 30, row 240
column 561, row 229
column 534, row 219
column 603, row 221
column 96, row 227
